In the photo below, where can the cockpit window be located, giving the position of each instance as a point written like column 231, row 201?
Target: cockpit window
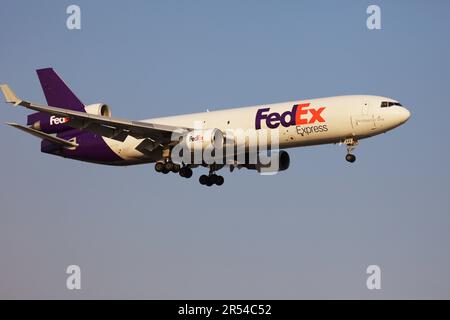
column 387, row 104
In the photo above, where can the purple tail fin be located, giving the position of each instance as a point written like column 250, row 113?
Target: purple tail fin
column 58, row 95
column 57, row 92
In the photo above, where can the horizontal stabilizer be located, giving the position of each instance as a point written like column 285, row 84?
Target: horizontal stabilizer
column 44, row 136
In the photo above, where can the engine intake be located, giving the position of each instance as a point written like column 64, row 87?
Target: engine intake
column 98, row 109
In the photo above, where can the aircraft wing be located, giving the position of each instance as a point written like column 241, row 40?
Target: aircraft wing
column 118, row 129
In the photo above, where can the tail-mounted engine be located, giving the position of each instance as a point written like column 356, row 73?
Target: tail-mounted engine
column 99, row 109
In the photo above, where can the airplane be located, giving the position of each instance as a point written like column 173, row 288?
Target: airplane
column 71, row 129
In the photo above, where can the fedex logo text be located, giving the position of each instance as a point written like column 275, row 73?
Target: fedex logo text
column 55, row 120
column 300, row 114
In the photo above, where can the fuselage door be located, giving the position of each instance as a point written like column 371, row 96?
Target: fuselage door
column 363, row 120
column 365, row 108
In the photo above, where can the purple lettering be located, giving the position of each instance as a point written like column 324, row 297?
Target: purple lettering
column 273, row 120
column 290, row 114
column 260, row 116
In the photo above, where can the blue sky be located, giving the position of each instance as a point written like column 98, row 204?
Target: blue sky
column 309, row 232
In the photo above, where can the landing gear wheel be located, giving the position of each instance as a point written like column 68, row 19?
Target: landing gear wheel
column 169, row 166
column 165, row 171
column 159, row 166
column 209, row 182
column 185, row 172
column 203, row 179
column 188, row 173
column 213, row 178
column 176, row 168
column 350, row 158
column 220, row 180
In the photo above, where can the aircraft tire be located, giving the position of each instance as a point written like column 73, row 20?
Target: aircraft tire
column 188, row 173
column 159, row 166
column 220, row 180
column 203, row 179
column 169, row 166
column 350, row 158
column 176, row 168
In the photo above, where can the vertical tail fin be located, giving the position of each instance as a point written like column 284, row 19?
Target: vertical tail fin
column 59, row 95
column 57, row 92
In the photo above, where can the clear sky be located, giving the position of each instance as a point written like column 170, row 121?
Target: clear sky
column 309, row 232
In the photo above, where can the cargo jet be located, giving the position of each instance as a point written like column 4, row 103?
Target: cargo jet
column 71, row 129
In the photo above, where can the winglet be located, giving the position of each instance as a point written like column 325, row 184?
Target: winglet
column 10, row 96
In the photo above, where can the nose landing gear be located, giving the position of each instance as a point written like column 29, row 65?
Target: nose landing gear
column 351, row 145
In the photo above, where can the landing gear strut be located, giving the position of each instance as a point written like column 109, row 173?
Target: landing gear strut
column 351, row 145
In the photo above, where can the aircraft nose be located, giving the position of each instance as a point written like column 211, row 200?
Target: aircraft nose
column 404, row 114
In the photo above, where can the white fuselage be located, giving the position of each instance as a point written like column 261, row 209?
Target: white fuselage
column 299, row 123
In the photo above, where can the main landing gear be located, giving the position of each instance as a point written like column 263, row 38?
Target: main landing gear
column 351, row 145
column 168, row 166
column 186, row 172
column 209, row 180
column 212, row 178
